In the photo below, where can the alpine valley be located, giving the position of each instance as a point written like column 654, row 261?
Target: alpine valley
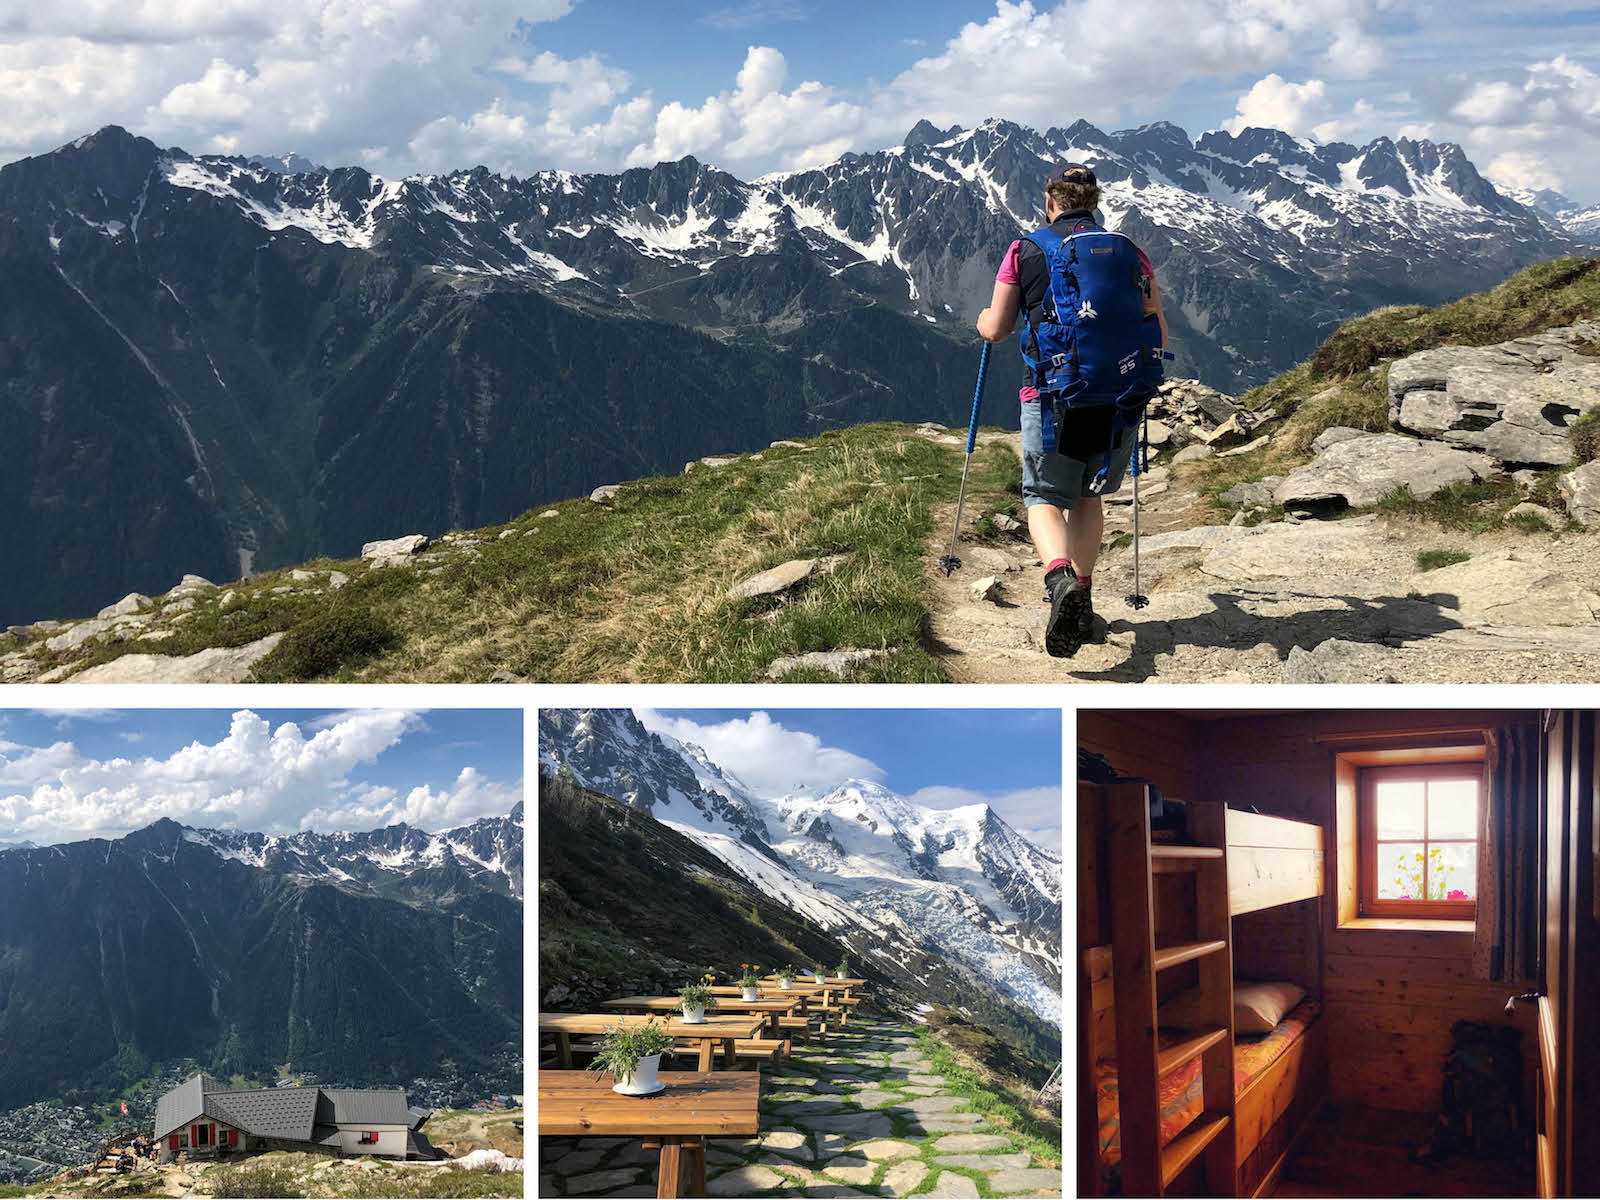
column 935, row 907
column 359, row 959
column 221, row 364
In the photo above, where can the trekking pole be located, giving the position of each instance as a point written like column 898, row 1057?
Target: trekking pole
column 950, row 562
column 1138, row 599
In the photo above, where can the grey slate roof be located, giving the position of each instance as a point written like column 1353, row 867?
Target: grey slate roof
column 418, row 1116
column 363, row 1106
column 298, row 1114
column 286, row 1113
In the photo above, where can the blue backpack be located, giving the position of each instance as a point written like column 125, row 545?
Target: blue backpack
column 1094, row 345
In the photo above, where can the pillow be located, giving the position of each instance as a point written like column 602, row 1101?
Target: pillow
column 1257, row 1007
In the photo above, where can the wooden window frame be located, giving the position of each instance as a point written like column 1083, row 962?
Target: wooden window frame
column 1367, row 779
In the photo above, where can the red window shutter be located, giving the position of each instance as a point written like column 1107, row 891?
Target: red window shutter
column 172, row 1141
column 233, row 1137
column 373, row 1136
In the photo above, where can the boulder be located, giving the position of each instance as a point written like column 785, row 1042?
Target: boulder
column 1004, row 523
column 1253, row 494
column 1159, row 433
column 1529, row 509
column 777, row 579
column 1246, row 448
column 990, row 561
column 1581, row 490
column 1191, row 454
column 836, row 662
column 1332, row 436
column 1514, row 401
column 1231, row 432
column 208, row 666
column 987, row 588
column 1341, row 550
column 1338, row 661
column 390, row 548
column 131, row 603
column 1359, row 470
column 604, row 493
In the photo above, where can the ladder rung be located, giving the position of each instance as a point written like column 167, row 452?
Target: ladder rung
column 1163, row 850
column 1184, row 1148
column 1171, row 956
column 1170, row 1059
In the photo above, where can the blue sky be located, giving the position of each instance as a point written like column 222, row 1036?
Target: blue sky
column 760, row 85
column 1009, row 759
column 66, row 775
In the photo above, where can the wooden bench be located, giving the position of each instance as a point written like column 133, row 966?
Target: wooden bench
column 801, row 1028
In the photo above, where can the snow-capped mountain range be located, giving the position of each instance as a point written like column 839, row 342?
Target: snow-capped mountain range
column 487, row 853
column 1558, row 211
column 921, row 225
column 919, row 890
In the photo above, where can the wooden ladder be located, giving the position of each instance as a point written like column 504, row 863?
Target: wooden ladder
column 1148, row 1168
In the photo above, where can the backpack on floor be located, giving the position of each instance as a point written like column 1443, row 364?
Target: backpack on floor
column 1481, row 1102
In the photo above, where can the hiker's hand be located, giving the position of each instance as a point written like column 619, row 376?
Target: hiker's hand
column 996, row 322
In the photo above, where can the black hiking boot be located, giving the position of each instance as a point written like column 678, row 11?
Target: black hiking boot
column 1071, row 614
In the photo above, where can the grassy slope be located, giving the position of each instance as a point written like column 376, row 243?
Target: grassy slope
column 596, row 855
column 1346, row 381
column 634, row 591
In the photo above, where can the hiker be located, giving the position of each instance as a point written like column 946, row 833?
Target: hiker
column 1073, row 456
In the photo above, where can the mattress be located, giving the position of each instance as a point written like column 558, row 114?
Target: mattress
column 1181, row 1095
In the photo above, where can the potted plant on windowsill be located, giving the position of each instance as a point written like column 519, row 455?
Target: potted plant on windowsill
column 786, row 978
column 844, row 969
column 632, row 1055
column 697, row 1000
column 749, row 981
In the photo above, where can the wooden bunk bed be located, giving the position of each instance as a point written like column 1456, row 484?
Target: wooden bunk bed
column 1174, row 1111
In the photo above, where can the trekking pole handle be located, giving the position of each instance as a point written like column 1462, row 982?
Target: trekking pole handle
column 977, row 395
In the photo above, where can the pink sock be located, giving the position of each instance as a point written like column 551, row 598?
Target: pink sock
column 1083, row 581
column 1056, row 562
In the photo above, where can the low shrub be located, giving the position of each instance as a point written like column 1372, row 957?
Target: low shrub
column 1432, row 560
column 1585, row 436
column 324, row 642
column 254, row 1182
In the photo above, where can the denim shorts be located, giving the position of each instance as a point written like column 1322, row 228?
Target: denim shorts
column 1057, row 478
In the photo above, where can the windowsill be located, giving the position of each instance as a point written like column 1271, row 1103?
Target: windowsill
column 1409, row 925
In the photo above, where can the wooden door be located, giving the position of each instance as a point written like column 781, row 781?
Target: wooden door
column 1568, row 1097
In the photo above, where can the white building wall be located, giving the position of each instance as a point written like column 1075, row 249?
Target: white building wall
column 391, row 1140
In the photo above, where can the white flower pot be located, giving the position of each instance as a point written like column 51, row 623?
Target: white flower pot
column 820, row 976
column 840, row 975
column 643, row 1080
column 694, row 1014
column 784, row 983
column 747, row 993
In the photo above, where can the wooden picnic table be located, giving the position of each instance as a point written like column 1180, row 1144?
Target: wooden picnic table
column 706, row 1035
column 694, row 1106
column 771, row 1009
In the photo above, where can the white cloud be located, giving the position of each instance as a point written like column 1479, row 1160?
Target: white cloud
column 756, row 122
column 256, row 777
column 1033, row 812
column 1304, row 109
column 772, row 759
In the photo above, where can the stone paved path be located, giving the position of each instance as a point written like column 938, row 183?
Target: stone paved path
column 863, row 1114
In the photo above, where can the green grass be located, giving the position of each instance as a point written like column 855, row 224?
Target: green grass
column 1472, row 507
column 1432, row 560
column 635, row 590
column 253, row 1182
column 446, row 1184
column 1585, row 436
column 1003, row 1102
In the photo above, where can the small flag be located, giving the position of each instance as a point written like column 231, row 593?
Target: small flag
column 124, row 1108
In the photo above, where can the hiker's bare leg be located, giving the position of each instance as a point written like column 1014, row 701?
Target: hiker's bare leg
column 1047, row 526
column 1086, row 525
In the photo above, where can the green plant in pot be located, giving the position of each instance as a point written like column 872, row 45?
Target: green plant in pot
column 749, row 980
column 844, row 969
column 631, row 1054
column 786, row 978
column 819, row 972
column 697, row 1000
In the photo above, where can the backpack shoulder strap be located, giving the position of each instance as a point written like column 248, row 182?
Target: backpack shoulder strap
column 1046, row 239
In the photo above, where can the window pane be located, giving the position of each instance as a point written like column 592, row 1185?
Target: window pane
column 1453, row 808
column 1399, row 809
column 1400, row 871
column 1453, row 871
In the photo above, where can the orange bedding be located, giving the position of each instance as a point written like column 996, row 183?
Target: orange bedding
column 1181, row 1099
